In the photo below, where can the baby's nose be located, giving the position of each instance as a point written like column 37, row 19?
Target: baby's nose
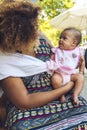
column 61, row 39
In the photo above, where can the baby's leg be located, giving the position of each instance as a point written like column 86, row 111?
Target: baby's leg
column 79, row 83
column 57, row 82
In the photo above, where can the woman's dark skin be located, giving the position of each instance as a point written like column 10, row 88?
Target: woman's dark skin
column 11, row 87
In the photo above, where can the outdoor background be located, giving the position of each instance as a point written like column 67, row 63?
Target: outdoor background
column 50, row 9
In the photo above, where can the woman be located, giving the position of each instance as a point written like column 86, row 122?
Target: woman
column 32, row 102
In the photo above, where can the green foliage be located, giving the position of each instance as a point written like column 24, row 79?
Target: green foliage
column 52, row 8
column 49, row 31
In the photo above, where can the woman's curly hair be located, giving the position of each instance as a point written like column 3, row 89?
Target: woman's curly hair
column 18, row 24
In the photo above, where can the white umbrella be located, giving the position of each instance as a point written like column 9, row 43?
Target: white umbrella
column 73, row 17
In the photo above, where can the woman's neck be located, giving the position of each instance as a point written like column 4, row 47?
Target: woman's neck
column 30, row 49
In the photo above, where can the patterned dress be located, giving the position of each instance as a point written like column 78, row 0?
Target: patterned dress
column 53, row 116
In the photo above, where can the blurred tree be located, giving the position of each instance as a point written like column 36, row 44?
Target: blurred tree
column 52, row 8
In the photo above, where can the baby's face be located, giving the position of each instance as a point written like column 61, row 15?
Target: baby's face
column 66, row 41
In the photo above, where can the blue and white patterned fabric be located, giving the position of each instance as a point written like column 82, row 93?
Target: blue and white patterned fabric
column 53, row 116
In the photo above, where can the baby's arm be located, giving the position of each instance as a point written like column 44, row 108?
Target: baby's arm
column 82, row 65
column 82, row 61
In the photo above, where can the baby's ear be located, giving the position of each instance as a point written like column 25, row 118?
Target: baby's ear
column 74, row 44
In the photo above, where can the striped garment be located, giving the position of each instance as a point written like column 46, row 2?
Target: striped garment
column 54, row 115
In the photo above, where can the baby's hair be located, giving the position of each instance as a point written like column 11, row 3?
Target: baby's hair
column 18, row 24
column 76, row 33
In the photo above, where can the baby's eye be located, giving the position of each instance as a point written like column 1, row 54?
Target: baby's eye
column 64, row 38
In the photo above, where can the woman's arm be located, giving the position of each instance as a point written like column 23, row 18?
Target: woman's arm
column 3, row 108
column 20, row 97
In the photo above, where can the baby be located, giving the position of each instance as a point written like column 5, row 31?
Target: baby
column 68, row 56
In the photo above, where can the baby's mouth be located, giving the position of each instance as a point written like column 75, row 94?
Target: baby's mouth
column 61, row 46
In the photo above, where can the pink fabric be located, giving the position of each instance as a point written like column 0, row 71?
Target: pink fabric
column 52, row 65
column 66, row 78
column 67, row 61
